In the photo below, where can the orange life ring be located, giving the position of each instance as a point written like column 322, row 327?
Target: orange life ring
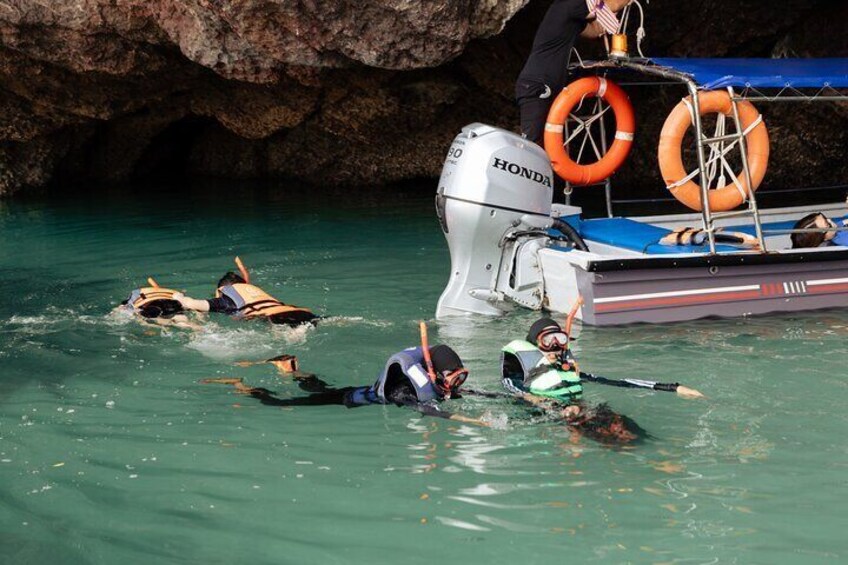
column 625, row 123
column 726, row 197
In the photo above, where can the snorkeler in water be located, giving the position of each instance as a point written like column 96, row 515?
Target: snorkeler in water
column 542, row 371
column 157, row 305
column 419, row 378
column 244, row 301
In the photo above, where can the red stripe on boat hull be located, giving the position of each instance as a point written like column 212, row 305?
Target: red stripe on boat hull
column 711, row 298
column 827, row 288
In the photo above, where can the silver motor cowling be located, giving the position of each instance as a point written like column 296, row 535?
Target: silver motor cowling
column 493, row 203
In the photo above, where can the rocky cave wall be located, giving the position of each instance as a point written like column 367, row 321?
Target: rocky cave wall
column 342, row 92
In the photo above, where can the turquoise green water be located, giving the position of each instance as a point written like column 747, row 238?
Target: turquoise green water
column 112, row 451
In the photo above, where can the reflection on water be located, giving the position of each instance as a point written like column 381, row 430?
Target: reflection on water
column 111, row 449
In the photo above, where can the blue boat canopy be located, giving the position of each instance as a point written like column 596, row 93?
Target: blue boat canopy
column 713, row 74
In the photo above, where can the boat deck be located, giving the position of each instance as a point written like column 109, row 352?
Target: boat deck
column 644, row 238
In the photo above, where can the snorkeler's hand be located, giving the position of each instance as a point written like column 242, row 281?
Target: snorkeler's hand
column 467, row 420
column 570, row 412
column 239, row 385
column 689, row 393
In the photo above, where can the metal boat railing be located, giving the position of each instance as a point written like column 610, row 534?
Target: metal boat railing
column 672, row 76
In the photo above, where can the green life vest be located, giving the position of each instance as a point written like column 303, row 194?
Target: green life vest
column 537, row 374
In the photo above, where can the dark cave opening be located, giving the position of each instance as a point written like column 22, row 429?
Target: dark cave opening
column 168, row 153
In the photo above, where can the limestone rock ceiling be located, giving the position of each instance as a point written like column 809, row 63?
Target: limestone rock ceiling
column 340, row 91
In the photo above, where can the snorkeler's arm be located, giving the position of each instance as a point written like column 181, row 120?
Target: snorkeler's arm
column 686, row 392
column 285, row 364
column 548, row 407
column 191, row 303
column 429, row 410
column 484, row 394
column 682, row 391
column 179, row 321
column 308, row 382
column 269, row 398
column 537, row 401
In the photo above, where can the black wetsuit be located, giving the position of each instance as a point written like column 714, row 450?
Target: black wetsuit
column 322, row 394
column 545, row 73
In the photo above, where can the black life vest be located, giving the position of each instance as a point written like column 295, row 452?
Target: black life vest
column 408, row 364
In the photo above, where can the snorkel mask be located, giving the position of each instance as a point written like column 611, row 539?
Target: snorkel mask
column 552, row 339
column 446, row 382
column 451, row 381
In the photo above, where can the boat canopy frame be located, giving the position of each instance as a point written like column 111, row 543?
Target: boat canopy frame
column 794, row 80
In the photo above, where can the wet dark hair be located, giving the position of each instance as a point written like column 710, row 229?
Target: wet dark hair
column 540, row 325
column 605, row 426
column 164, row 308
column 444, row 358
column 229, row 279
column 809, row 239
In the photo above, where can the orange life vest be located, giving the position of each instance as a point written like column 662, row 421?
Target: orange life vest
column 153, row 302
column 253, row 302
column 141, row 297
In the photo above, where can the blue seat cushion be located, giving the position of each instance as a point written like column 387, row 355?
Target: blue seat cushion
column 637, row 236
column 644, row 238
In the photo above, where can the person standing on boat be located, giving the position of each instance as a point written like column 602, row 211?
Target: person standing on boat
column 545, row 72
column 237, row 297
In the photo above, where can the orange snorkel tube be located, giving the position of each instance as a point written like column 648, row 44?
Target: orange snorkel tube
column 152, row 282
column 448, row 384
column 568, row 323
column 570, row 320
column 243, row 270
column 425, row 348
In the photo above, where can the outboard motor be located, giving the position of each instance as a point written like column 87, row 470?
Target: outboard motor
column 494, row 206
